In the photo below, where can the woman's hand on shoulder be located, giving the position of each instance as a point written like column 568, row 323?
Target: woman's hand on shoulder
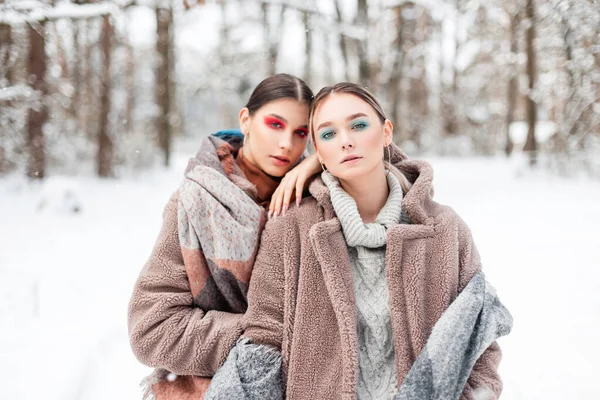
column 293, row 184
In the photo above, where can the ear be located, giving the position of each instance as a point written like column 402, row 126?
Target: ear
column 244, row 119
column 388, row 132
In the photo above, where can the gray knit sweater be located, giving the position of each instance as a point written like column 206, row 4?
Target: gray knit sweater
column 366, row 247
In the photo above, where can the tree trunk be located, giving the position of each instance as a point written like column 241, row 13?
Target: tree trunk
column 222, row 97
column 449, row 97
column 362, row 19
column 418, row 107
column 271, row 57
column 452, row 114
column 77, row 76
column 442, row 83
column 38, row 114
column 513, row 84
column 272, row 36
column 531, row 143
column 343, row 40
column 307, row 48
column 5, row 50
column 89, row 95
column 164, row 22
column 105, row 141
column 571, row 99
column 396, row 78
column 130, row 88
column 130, row 69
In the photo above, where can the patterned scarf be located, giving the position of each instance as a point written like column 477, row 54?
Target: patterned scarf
column 219, row 226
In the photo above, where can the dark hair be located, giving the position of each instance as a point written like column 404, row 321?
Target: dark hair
column 345, row 87
column 280, row 86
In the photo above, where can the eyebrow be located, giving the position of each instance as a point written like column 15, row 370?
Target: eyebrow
column 285, row 120
column 350, row 118
column 279, row 117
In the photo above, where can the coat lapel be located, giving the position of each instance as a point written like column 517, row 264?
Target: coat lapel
column 331, row 251
column 401, row 239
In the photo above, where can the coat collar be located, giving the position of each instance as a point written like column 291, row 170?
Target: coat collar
column 417, row 203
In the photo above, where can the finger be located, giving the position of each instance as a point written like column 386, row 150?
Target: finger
column 288, row 192
column 273, row 202
column 300, row 182
column 277, row 198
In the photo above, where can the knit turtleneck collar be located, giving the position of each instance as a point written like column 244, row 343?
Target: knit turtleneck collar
column 265, row 184
column 356, row 232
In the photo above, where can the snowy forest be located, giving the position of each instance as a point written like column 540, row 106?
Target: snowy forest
column 106, row 86
column 103, row 102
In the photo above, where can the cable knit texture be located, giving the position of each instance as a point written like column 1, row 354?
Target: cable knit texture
column 302, row 298
column 366, row 247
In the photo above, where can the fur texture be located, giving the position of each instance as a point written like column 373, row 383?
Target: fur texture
column 466, row 329
column 301, row 298
column 185, row 311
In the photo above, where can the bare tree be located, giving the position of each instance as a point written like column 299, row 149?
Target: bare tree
column 36, row 68
column 105, row 142
column 449, row 89
column 164, row 71
column 77, row 76
column 5, row 50
column 513, row 83
column 272, row 35
column 452, row 113
column 531, row 143
column 307, row 47
column 396, row 76
column 87, row 104
column 362, row 20
column 343, row 39
column 130, row 85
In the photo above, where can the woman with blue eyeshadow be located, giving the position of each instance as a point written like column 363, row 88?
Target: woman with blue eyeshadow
column 371, row 289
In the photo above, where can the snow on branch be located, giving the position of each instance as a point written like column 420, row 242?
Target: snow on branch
column 432, row 6
column 352, row 31
column 294, row 5
column 35, row 11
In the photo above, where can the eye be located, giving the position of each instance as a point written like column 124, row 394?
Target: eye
column 274, row 123
column 301, row 132
column 360, row 125
column 328, row 134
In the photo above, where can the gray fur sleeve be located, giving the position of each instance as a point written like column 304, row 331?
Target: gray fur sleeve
column 469, row 326
column 251, row 372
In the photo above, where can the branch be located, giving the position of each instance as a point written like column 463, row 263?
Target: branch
column 35, row 11
column 293, row 5
column 429, row 5
column 349, row 30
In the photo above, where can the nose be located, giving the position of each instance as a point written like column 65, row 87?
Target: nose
column 346, row 140
column 285, row 141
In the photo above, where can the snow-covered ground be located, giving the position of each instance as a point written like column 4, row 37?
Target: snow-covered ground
column 65, row 278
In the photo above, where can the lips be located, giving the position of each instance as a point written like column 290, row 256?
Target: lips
column 280, row 160
column 350, row 158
